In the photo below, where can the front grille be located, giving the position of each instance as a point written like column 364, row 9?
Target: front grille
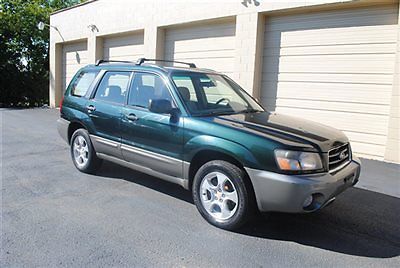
column 339, row 157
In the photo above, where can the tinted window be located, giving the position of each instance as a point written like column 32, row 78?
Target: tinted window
column 146, row 87
column 82, row 84
column 113, row 87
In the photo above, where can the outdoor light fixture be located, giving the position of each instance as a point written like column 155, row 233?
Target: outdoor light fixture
column 93, row 28
column 41, row 26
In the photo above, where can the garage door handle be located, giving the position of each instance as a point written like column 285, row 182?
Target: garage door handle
column 91, row 108
column 132, row 117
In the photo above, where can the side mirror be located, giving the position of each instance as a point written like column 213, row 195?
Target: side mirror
column 160, row 106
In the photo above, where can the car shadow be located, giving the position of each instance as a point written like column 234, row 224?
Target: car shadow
column 359, row 222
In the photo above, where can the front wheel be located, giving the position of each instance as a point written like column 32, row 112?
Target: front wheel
column 221, row 195
column 82, row 152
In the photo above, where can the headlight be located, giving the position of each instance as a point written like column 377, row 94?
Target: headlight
column 293, row 160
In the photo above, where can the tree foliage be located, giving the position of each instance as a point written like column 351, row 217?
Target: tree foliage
column 24, row 50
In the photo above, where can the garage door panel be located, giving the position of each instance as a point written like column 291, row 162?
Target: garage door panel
column 209, row 46
column 128, row 47
column 74, row 57
column 73, row 47
column 332, row 78
column 368, row 150
column 224, row 65
column 365, row 63
column 201, row 32
column 72, row 65
column 365, row 123
column 218, row 43
column 353, row 93
column 220, row 54
column 383, row 15
column 128, row 40
column 373, row 139
column 334, row 67
column 333, row 50
column 124, row 51
column 360, row 16
column 351, row 107
column 355, row 36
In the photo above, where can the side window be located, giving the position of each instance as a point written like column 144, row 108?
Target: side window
column 146, row 87
column 113, row 87
column 82, row 83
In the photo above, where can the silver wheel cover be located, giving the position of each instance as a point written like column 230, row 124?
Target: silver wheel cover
column 219, row 196
column 80, row 151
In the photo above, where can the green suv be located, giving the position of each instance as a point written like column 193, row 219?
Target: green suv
column 199, row 129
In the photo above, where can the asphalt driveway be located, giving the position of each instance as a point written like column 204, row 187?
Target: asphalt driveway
column 53, row 215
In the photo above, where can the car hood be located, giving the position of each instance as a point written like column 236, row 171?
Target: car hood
column 289, row 130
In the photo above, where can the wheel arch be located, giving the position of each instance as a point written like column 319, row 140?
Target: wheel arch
column 206, row 155
column 72, row 127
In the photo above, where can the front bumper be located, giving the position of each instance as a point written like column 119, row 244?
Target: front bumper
column 62, row 127
column 287, row 193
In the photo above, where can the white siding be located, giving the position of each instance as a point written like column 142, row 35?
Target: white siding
column 127, row 47
column 208, row 46
column 74, row 56
column 335, row 68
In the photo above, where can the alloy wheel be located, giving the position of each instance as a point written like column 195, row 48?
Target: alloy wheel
column 80, row 151
column 219, row 196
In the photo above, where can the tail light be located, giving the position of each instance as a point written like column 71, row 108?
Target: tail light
column 61, row 103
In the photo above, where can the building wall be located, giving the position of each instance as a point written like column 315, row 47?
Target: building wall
column 229, row 36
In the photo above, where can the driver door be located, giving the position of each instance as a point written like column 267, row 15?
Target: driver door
column 150, row 139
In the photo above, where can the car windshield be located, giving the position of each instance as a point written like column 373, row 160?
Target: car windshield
column 213, row 94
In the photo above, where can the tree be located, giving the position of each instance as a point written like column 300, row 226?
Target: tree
column 24, row 50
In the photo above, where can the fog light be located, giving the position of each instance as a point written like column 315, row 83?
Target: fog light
column 308, row 201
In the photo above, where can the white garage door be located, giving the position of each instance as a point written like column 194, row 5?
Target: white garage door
column 335, row 68
column 209, row 46
column 74, row 57
column 127, row 47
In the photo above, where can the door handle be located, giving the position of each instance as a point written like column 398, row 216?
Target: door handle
column 132, row 117
column 91, row 108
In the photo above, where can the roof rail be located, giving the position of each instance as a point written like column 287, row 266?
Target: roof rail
column 142, row 60
column 107, row 61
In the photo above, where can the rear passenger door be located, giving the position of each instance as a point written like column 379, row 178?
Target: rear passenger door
column 104, row 110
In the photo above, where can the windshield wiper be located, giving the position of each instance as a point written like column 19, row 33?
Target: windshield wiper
column 215, row 113
column 248, row 111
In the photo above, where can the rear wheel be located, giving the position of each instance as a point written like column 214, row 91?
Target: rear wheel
column 221, row 195
column 82, row 152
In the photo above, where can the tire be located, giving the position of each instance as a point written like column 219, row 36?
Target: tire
column 87, row 161
column 214, row 187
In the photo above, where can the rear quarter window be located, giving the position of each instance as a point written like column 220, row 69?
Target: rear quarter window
column 82, row 83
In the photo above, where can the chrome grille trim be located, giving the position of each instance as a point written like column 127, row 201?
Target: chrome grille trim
column 334, row 162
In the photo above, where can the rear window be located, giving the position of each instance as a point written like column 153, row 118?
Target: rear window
column 82, row 83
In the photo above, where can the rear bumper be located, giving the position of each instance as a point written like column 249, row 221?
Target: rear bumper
column 62, row 127
column 287, row 193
